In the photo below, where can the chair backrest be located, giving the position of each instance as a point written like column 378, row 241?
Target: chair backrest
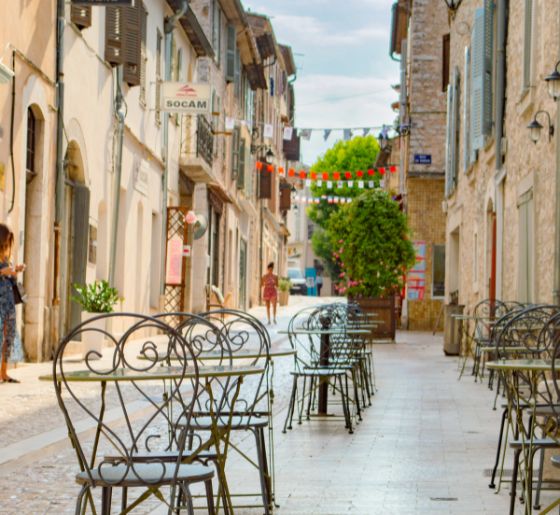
column 524, row 333
column 134, row 403
column 249, row 343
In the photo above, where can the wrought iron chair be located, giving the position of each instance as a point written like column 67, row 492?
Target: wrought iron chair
column 108, row 457
column 310, row 365
column 249, row 341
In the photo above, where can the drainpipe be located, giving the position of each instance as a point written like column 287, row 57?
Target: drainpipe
column 60, row 204
column 556, row 287
column 500, row 114
column 120, row 115
column 168, row 27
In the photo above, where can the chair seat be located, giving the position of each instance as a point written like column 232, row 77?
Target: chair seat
column 322, row 372
column 168, row 456
column 549, row 443
column 145, row 474
column 237, row 422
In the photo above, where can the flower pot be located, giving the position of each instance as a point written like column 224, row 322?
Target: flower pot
column 92, row 340
column 386, row 316
column 283, row 297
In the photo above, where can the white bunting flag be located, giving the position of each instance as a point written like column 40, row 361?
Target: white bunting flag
column 361, row 184
column 230, row 123
column 350, row 184
column 307, row 183
column 268, row 130
column 319, row 183
column 371, row 184
column 339, row 184
column 288, row 133
column 330, row 200
column 329, row 185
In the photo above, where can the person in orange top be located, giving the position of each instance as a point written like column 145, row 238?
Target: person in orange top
column 269, row 282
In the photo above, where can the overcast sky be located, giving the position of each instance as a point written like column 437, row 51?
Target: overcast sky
column 341, row 49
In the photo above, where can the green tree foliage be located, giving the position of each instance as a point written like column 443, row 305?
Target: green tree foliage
column 359, row 153
column 370, row 236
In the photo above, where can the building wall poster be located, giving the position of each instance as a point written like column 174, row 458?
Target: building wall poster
column 416, row 278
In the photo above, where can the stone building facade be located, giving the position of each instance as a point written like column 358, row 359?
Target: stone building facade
column 502, row 189
column 419, row 39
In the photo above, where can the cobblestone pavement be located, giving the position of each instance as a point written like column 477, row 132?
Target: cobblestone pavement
column 424, row 446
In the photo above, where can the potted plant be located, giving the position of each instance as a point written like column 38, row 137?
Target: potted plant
column 373, row 251
column 284, row 285
column 95, row 298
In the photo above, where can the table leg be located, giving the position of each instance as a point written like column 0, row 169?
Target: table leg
column 324, row 385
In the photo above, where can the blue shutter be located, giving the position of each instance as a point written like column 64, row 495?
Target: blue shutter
column 448, row 142
column 466, row 111
column 230, row 53
column 487, row 100
column 477, row 80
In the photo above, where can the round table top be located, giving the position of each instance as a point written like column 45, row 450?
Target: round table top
column 241, row 354
column 335, row 331
column 156, row 373
column 535, row 365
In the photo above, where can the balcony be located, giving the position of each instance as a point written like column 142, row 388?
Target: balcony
column 197, row 150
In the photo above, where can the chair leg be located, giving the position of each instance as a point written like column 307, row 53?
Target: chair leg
column 345, row 408
column 302, row 401
column 513, row 492
column 356, row 396
column 209, row 497
column 537, row 504
column 497, row 462
column 80, row 499
column 311, row 389
column 124, row 498
column 291, row 406
column 106, row 494
column 263, row 470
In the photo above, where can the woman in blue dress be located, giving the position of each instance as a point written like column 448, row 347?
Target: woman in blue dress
column 8, row 275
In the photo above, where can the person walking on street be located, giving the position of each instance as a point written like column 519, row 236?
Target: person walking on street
column 8, row 274
column 319, row 283
column 269, row 282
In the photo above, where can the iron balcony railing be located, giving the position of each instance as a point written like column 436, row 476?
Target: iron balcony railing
column 204, row 140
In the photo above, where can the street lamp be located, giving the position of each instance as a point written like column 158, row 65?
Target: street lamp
column 535, row 127
column 269, row 156
column 553, row 82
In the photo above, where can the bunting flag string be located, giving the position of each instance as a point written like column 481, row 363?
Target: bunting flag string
column 358, row 176
column 330, row 199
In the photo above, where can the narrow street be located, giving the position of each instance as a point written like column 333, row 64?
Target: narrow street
column 424, row 446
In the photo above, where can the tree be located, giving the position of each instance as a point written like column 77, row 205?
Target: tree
column 370, row 236
column 345, row 156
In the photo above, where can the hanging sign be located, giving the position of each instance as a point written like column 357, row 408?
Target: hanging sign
column 185, row 98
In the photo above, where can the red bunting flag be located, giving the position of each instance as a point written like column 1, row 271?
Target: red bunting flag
column 392, row 169
column 359, row 173
column 336, row 176
column 291, row 172
column 302, row 174
column 348, row 175
column 270, row 168
column 325, row 176
column 258, row 165
column 313, row 175
column 382, row 171
column 281, row 170
column 371, row 171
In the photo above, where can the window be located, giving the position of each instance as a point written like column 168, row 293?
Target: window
column 31, row 145
column 216, row 31
column 526, row 272
column 451, row 147
column 235, row 153
column 80, row 15
column 438, row 271
column 445, row 62
column 468, row 156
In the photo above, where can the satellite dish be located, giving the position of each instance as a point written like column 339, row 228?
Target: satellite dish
column 200, row 227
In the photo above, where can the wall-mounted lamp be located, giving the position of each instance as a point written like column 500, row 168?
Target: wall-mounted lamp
column 553, row 82
column 535, row 127
column 453, row 5
column 269, row 156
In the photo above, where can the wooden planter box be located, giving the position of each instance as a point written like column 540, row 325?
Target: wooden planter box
column 386, row 316
column 283, row 297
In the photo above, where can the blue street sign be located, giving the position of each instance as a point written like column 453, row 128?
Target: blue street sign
column 423, row 159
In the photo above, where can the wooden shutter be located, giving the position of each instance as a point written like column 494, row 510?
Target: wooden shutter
column 527, row 43
column 132, row 41
column 113, row 40
column 448, row 142
column 477, row 79
column 445, row 55
column 230, row 53
column 487, row 93
column 235, row 153
column 285, row 196
column 242, row 165
column 265, row 184
column 81, row 15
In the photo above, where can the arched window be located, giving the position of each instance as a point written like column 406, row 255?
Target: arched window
column 31, row 146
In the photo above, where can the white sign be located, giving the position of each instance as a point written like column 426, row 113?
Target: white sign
column 268, row 130
column 230, row 123
column 288, row 133
column 185, row 98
